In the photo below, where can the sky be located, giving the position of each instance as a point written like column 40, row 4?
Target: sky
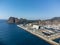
column 29, row 9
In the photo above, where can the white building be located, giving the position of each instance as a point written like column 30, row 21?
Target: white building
column 48, row 26
column 53, row 26
column 35, row 26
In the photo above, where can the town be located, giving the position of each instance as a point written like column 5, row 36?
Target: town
column 47, row 32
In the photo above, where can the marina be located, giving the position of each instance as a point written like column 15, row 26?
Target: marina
column 48, row 39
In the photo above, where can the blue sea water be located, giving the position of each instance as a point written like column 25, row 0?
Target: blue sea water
column 57, row 40
column 10, row 34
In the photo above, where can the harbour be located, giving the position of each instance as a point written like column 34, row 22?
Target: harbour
column 40, row 35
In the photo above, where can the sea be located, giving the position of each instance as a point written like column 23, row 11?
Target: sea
column 10, row 34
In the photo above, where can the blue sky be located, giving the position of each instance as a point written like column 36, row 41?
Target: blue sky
column 30, row 9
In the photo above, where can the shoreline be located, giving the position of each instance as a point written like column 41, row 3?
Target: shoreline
column 47, row 40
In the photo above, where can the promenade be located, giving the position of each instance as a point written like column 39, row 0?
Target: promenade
column 41, row 35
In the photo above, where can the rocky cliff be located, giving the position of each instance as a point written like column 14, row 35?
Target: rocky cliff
column 13, row 20
column 55, row 20
column 20, row 21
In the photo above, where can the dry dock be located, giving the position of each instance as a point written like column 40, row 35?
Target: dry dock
column 34, row 33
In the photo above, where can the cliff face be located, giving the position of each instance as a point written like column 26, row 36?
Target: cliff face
column 13, row 20
column 20, row 21
column 17, row 20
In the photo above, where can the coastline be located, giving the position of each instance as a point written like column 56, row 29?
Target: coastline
column 47, row 40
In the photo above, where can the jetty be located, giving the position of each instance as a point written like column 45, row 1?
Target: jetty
column 40, row 35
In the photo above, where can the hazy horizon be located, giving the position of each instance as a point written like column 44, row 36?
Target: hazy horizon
column 29, row 9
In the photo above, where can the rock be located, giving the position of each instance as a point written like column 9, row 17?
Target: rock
column 20, row 21
column 11, row 20
column 17, row 20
